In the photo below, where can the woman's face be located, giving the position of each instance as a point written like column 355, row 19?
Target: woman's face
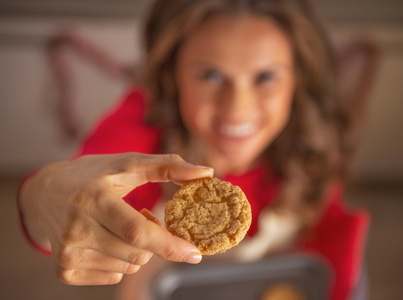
column 236, row 82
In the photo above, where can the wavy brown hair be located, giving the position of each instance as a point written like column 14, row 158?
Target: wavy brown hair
column 307, row 153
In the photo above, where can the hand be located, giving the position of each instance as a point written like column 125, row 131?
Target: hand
column 76, row 209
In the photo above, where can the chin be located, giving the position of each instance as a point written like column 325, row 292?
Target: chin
column 238, row 163
column 233, row 156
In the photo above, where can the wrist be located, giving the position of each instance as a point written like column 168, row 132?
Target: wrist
column 29, row 219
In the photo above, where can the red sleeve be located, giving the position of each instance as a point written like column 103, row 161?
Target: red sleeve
column 340, row 238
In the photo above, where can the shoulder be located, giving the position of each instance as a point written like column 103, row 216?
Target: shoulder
column 123, row 128
column 133, row 103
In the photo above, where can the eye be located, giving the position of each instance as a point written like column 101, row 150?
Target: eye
column 264, row 77
column 212, row 76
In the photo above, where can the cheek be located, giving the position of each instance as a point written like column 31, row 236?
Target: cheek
column 187, row 101
column 284, row 112
column 284, row 106
column 283, row 116
column 278, row 110
column 193, row 113
column 196, row 105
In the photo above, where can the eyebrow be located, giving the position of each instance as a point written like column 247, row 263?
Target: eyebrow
column 261, row 68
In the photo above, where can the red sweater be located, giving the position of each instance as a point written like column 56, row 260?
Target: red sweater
column 339, row 237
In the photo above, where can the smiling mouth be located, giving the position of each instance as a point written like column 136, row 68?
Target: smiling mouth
column 238, row 131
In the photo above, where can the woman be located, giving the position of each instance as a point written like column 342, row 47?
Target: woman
column 245, row 87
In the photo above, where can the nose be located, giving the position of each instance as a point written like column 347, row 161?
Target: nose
column 238, row 102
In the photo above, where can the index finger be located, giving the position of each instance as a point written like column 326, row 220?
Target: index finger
column 172, row 167
column 136, row 169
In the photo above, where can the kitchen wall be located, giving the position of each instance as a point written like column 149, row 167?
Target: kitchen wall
column 30, row 131
column 380, row 156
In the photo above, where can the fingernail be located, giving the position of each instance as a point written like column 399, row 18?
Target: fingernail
column 193, row 257
column 208, row 169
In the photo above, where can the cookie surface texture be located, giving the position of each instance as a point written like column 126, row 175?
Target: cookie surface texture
column 213, row 215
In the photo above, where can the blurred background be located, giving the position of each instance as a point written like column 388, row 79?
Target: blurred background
column 63, row 63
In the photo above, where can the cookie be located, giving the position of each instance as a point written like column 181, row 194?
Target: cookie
column 213, row 215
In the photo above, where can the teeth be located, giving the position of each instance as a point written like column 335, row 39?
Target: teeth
column 238, row 130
